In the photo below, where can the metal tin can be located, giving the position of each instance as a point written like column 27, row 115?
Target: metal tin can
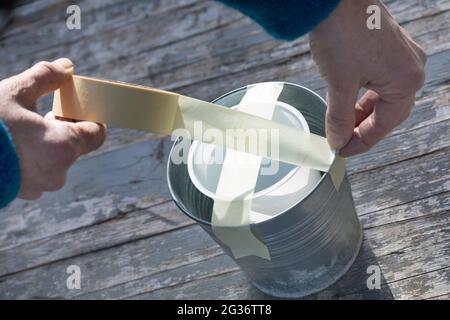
column 312, row 243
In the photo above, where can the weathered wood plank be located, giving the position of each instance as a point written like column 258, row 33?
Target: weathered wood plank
column 242, row 48
column 405, row 211
column 231, row 49
column 301, row 70
column 401, row 182
column 401, row 187
column 232, row 286
column 115, row 265
column 97, row 190
column 353, row 285
column 403, row 145
column 423, row 244
column 422, row 286
column 431, row 31
column 417, row 258
column 39, row 18
column 398, row 253
column 30, row 11
column 356, row 278
column 128, row 227
column 440, row 297
column 124, row 38
column 162, row 218
column 216, row 266
column 227, row 37
column 405, row 11
column 89, row 202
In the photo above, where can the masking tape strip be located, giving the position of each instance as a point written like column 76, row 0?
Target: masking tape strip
column 142, row 108
column 232, row 204
column 159, row 111
column 337, row 171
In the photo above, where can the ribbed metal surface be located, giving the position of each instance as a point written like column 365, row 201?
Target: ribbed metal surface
column 311, row 244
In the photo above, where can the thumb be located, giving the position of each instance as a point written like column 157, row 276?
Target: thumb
column 89, row 135
column 340, row 116
column 41, row 79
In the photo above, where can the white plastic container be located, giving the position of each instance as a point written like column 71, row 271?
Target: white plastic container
column 274, row 193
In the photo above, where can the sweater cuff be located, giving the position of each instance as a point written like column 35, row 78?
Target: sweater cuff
column 9, row 168
column 288, row 19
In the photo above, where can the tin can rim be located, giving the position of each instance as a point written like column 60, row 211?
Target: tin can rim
column 204, row 222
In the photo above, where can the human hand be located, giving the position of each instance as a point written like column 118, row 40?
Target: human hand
column 387, row 62
column 46, row 146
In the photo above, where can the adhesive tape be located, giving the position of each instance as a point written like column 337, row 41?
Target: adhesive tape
column 234, row 194
column 159, row 111
column 279, row 185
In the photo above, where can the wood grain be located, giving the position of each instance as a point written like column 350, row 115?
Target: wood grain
column 115, row 218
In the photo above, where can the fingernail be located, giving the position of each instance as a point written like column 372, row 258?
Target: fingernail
column 66, row 63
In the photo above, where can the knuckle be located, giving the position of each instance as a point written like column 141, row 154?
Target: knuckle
column 417, row 76
column 404, row 115
column 22, row 85
column 57, row 182
column 43, row 67
column 34, row 196
column 380, row 129
column 418, row 50
column 39, row 71
column 422, row 54
column 65, row 153
column 76, row 136
column 30, row 195
column 411, row 78
column 18, row 86
column 102, row 135
column 365, row 144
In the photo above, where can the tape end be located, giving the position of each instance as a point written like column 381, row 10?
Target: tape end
column 337, row 171
column 260, row 251
column 56, row 107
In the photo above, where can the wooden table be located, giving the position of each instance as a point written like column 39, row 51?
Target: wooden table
column 115, row 219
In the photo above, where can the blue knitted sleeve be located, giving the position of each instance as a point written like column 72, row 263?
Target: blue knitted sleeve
column 285, row 19
column 9, row 168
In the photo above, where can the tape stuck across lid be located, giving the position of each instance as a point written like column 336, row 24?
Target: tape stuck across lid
column 142, row 108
